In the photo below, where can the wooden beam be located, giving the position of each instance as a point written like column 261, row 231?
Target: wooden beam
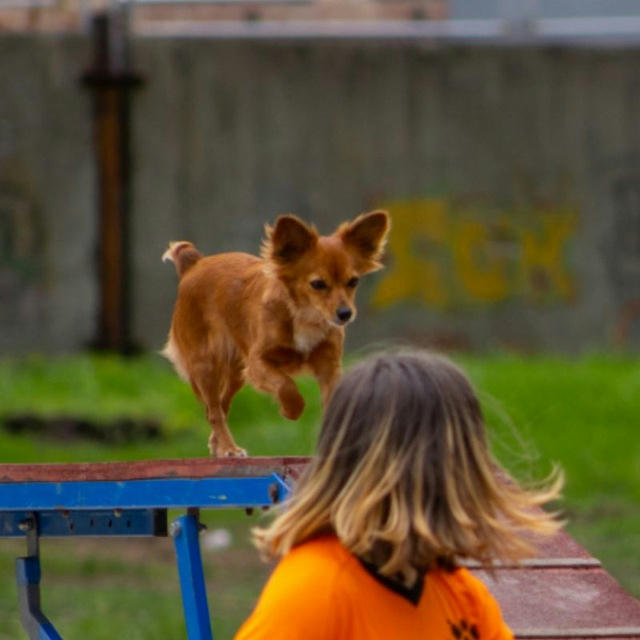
column 287, row 467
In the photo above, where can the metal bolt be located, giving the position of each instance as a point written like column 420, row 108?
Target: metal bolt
column 175, row 529
column 274, row 494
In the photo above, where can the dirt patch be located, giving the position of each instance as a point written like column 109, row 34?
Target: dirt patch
column 119, row 431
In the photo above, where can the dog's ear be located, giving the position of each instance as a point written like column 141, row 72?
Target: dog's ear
column 288, row 240
column 366, row 236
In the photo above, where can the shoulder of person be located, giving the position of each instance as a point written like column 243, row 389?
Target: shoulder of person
column 311, row 574
column 464, row 585
column 478, row 600
column 303, row 596
column 318, row 562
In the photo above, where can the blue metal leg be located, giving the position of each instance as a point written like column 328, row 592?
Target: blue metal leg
column 184, row 531
column 33, row 620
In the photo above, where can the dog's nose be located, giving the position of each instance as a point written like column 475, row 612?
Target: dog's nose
column 344, row 314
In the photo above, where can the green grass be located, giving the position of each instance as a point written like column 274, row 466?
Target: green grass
column 581, row 414
column 105, row 388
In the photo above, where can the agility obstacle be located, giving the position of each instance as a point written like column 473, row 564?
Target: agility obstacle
column 562, row 594
column 131, row 500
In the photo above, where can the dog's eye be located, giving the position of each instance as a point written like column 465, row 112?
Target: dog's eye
column 318, row 284
column 353, row 282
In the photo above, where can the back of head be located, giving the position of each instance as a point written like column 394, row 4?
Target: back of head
column 403, row 475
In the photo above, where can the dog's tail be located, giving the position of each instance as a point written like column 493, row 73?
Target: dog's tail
column 183, row 254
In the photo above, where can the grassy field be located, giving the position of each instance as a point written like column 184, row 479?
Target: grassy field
column 582, row 414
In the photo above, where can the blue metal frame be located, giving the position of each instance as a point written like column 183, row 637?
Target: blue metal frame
column 184, row 531
column 28, row 580
column 90, row 522
column 28, row 583
column 124, row 508
column 143, row 494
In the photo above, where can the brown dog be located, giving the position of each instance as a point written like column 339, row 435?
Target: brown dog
column 239, row 318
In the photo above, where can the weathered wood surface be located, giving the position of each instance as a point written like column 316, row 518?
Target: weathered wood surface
column 149, row 469
column 563, row 593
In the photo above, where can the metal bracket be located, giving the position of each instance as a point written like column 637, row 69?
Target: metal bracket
column 87, row 522
column 33, row 620
column 37, row 506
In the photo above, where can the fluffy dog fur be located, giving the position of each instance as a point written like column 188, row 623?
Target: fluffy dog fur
column 241, row 318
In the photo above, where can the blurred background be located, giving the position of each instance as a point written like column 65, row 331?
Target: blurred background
column 503, row 137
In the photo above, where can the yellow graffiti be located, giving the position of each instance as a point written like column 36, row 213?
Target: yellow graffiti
column 542, row 254
column 482, row 274
column 416, row 274
column 443, row 256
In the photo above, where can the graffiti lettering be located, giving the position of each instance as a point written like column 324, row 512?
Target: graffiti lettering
column 446, row 257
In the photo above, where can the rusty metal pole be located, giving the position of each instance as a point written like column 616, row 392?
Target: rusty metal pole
column 111, row 82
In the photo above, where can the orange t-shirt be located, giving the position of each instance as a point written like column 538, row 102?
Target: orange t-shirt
column 320, row 591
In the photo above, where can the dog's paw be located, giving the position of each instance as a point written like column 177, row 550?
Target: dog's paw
column 291, row 403
column 228, row 450
column 234, row 452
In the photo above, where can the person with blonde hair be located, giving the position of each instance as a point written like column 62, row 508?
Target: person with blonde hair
column 402, row 488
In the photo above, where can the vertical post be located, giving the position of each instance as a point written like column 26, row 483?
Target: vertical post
column 111, row 82
column 33, row 620
column 184, row 532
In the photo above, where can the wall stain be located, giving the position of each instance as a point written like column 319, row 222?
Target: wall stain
column 20, row 238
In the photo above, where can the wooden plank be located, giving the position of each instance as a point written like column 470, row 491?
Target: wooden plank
column 286, row 467
column 564, row 603
column 561, row 545
column 561, row 550
column 540, row 563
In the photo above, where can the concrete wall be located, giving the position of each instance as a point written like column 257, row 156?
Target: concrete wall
column 47, row 285
column 513, row 177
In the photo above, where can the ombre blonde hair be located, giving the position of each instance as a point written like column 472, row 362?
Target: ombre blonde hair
column 404, row 478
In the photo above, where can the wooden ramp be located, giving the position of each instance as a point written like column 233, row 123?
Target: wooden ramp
column 563, row 593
